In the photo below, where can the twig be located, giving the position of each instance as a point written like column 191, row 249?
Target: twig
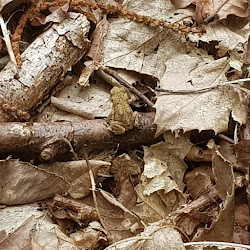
column 218, row 245
column 108, row 78
column 201, row 90
column 223, row 137
column 127, row 85
column 6, row 38
column 206, row 20
column 93, row 189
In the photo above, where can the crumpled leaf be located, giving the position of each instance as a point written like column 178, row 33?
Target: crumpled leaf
column 58, row 14
column 208, row 110
column 20, row 239
column 164, row 170
column 116, row 218
column 75, row 103
column 221, row 228
column 221, row 8
column 134, row 46
column 95, row 52
column 89, row 237
column 24, row 183
column 198, row 180
column 155, row 236
column 229, row 42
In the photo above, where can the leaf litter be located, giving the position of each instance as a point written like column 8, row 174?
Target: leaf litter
column 187, row 186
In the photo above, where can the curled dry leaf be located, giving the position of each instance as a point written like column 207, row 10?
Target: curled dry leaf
column 58, row 14
column 75, row 103
column 95, row 52
column 89, row 237
column 198, row 180
column 230, row 43
column 198, row 110
column 222, row 227
column 24, row 183
column 164, row 170
column 210, row 8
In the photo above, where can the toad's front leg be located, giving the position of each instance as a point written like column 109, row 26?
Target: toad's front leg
column 117, row 128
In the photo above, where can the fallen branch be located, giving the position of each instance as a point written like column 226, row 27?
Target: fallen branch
column 45, row 62
column 48, row 140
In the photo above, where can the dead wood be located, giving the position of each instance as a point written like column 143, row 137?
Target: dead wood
column 197, row 208
column 45, row 62
column 50, row 139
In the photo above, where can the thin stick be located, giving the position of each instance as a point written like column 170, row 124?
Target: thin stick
column 127, row 85
column 201, row 90
column 6, row 38
column 223, row 137
column 93, row 189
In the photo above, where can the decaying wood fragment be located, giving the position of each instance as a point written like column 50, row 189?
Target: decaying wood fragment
column 45, row 62
column 34, row 138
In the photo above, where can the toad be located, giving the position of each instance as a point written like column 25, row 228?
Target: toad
column 122, row 117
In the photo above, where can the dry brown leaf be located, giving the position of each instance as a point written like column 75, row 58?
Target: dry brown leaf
column 78, row 179
column 222, row 227
column 154, row 236
column 228, row 42
column 134, row 46
column 197, row 154
column 242, row 218
column 95, row 52
column 116, row 218
column 152, row 209
column 210, row 8
column 197, row 181
column 75, row 103
column 58, row 14
column 164, row 170
column 24, row 183
column 4, row 2
column 241, row 235
column 125, row 191
column 89, row 237
column 202, row 111
column 21, row 238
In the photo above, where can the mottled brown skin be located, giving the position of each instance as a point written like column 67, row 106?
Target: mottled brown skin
column 122, row 117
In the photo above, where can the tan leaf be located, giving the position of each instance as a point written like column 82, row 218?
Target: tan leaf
column 154, row 236
column 134, row 46
column 164, row 170
column 229, row 42
column 198, row 180
column 202, row 111
column 20, row 239
column 116, row 218
column 89, row 237
column 210, row 8
column 24, row 183
column 58, row 14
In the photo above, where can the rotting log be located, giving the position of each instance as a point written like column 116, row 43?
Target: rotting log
column 44, row 63
column 49, row 139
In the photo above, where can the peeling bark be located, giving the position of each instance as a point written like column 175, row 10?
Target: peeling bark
column 45, row 62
